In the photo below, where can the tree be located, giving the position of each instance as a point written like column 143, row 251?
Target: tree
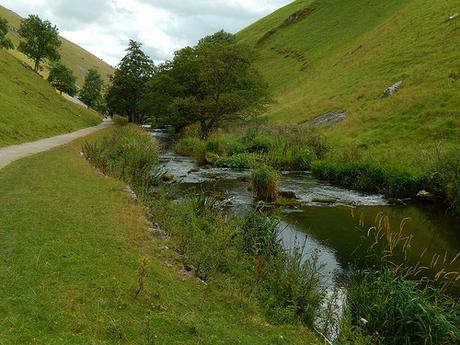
column 128, row 83
column 91, row 93
column 40, row 40
column 62, row 78
column 5, row 42
column 210, row 84
column 220, row 37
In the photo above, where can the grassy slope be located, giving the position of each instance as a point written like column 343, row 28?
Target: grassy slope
column 72, row 243
column 78, row 59
column 354, row 50
column 31, row 109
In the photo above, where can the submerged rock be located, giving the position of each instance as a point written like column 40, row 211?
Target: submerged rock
column 287, row 194
column 425, row 196
column 330, row 118
column 324, row 200
column 392, row 89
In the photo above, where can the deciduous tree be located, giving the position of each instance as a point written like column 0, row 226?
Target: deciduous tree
column 40, row 40
column 91, row 93
column 5, row 42
column 62, row 78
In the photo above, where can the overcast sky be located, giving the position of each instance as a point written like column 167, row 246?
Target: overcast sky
column 104, row 27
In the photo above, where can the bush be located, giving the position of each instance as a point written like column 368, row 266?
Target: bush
column 238, row 161
column 367, row 177
column 120, row 120
column 129, row 154
column 402, row 311
column 265, row 182
column 260, row 143
column 191, row 146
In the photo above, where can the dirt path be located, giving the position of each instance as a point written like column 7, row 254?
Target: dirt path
column 11, row 153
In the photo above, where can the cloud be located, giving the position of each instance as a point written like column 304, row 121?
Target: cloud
column 104, row 27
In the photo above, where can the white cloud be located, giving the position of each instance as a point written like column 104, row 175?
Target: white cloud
column 104, row 27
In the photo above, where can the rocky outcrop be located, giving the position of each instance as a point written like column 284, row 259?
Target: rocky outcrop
column 329, row 118
column 392, row 89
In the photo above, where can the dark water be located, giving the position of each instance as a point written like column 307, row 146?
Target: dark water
column 339, row 233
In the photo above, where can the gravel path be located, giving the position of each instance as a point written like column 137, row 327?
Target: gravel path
column 11, row 153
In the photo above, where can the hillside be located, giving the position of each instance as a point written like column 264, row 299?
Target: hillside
column 31, row 109
column 78, row 59
column 325, row 55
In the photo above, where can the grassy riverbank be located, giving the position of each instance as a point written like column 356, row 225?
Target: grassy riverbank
column 305, row 148
column 73, row 246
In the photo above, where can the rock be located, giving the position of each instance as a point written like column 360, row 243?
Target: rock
column 395, row 201
column 130, row 192
column 287, row 194
column 425, row 196
column 329, row 118
column 194, row 170
column 157, row 232
column 243, row 178
column 392, row 89
column 168, row 178
column 186, row 273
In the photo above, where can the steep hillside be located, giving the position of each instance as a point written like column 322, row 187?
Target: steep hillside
column 31, row 109
column 326, row 55
column 78, row 59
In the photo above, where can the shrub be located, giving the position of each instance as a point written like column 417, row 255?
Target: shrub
column 260, row 143
column 120, row 120
column 265, row 182
column 260, row 235
column 238, row 161
column 192, row 146
column 129, row 154
column 402, row 311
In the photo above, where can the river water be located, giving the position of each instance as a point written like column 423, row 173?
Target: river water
column 338, row 234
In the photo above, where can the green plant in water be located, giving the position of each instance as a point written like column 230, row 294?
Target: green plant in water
column 265, row 182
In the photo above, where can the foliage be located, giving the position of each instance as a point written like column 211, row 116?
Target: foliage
column 5, row 42
column 265, row 182
column 220, row 37
column 210, row 84
column 129, row 154
column 120, row 120
column 91, row 93
column 128, row 83
column 365, row 176
column 39, row 40
column 402, row 311
column 237, row 161
column 62, row 78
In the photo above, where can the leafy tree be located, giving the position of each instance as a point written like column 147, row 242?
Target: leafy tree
column 5, row 42
column 210, row 84
column 220, row 37
column 40, row 40
column 128, row 83
column 91, row 93
column 62, row 78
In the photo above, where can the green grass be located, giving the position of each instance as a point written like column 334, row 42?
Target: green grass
column 31, row 109
column 345, row 53
column 75, row 57
column 72, row 245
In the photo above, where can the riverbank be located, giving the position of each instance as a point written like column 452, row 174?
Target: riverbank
column 73, row 246
column 434, row 179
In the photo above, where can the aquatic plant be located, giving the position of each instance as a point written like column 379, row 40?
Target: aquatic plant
column 265, row 182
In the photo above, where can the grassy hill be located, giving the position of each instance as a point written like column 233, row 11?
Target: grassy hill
column 78, row 59
column 31, row 109
column 326, row 55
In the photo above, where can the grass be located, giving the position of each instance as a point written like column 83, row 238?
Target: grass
column 73, row 56
column 31, row 109
column 353, row 51
column 74, row 249
column 265, row 183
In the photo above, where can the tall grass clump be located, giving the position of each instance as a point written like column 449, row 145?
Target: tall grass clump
column 395, row 310
column 120, row 120
column 129, row 154
column 265, row 182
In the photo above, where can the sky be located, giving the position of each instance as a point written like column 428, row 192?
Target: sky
column 104, row 27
